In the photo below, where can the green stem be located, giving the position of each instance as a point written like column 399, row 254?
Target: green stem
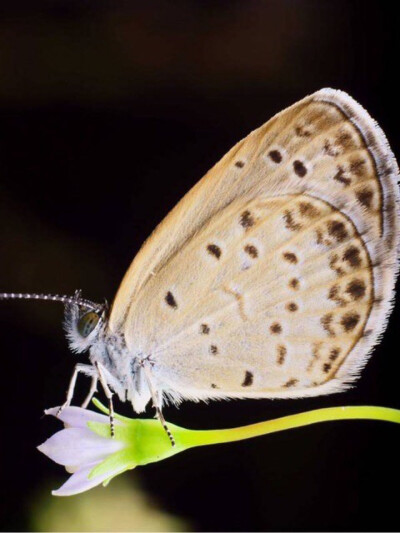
column 191, row 438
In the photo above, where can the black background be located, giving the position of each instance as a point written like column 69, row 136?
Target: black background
column 108, row 115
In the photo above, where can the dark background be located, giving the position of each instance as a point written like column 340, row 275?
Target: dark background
column 109, row 113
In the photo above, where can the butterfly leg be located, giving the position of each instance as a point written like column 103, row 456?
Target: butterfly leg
column 108, row 394
column 79, row 368
column 156, row 403
column 92, row 390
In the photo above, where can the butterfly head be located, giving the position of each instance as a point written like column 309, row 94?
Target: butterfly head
column 84, row 323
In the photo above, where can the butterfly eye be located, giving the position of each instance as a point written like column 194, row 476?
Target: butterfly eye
column 87, row 323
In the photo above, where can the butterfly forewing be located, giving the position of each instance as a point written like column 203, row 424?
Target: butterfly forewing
column 274, row 275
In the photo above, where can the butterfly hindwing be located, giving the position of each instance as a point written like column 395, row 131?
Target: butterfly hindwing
column 274, row 275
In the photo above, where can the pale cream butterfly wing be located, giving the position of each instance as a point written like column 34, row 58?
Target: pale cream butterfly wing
column 274, row 275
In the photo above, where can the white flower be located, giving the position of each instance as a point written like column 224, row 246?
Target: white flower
column 80, row 449
column 88, row 452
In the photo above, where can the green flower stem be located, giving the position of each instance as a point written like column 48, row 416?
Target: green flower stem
column 143, row 441
column 191, row 438
column 147, row 442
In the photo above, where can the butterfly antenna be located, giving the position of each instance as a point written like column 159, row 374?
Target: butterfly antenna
column 76, row 299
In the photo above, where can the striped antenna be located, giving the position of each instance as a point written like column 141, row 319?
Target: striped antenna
column 76, row 299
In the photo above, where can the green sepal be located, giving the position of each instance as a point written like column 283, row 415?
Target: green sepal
column 123, row 459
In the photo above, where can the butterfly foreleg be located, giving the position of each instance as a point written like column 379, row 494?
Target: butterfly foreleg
column 79, row 368
column 108, row 393
column 146, row 365
column 92, row 390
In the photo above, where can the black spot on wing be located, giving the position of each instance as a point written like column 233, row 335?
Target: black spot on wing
column 276, row 328
column 337, row 229
column 204, row 329
column 248, row 379
column 290, row 257
column 349, row 321
column 292, row 307
column 214, row 250
column 291, row 383
column 246, row 219
column 352, row 256
column 356, row 289
column 251, row 251
column 275, row 156
column 170, row 299
column 299, row 168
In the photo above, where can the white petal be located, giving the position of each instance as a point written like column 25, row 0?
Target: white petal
column 77, row 416
column 79, row 482
column 77, row 446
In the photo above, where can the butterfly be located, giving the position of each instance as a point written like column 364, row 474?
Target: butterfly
column 272, row 278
